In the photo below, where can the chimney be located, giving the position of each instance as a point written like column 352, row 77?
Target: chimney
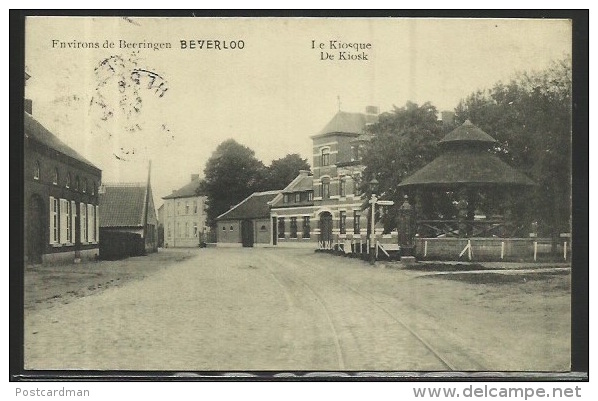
column 371, row 110
column 194, row 177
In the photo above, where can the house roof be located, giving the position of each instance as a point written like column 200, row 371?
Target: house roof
column 122, row 205
column 34, row 129
column 347, row 123
column 301, row 183
column 467, row 133
column 466, row 167
column 255, row 206
column 189, row 190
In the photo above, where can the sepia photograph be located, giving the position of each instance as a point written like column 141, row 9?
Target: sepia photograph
column 297, row 196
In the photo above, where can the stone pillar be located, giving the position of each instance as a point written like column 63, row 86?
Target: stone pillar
column 406, row 228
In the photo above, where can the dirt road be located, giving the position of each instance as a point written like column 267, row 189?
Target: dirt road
column 282, row 309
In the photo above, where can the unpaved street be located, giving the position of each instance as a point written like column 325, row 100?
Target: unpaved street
column 282, row 309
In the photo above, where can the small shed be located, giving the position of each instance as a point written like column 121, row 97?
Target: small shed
column 128, row 221
column 248, row 222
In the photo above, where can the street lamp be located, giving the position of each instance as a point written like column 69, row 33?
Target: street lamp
column 373, row 189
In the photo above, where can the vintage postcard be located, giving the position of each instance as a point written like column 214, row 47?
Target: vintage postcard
column 332, row 196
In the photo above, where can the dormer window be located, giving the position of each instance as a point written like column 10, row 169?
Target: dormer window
column 325, row 157
column 84, row 185
column 285, row 198
column 76, row 183
column 36, row 170
column 310, row 196
column 68, row 180
column 93, row 188
column 297, row 197
column 55, row 176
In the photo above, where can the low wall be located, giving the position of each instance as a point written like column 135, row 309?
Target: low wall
column 485, row 249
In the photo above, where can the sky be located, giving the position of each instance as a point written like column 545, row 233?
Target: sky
column 122, row 107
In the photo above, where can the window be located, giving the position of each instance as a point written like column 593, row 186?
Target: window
column 93, row 188
column 306, row 228
column 343, row 188
column 231, row 228
column 73, row 213
column 293, row 227
column 343, row 222
column 76, row 183
column 223, row 228
column 169, row 209
column 68, row 180
column 84, row 185
column 298, row 197
column 263, row 228
column 91, row 223
column 178, row 208
column 187, row 207
column 356, row 216
column 281, row 227
column 36, row 170
column 83, row 221
column 96, row 218
column 169, row 232
column 53, row 220
column 195, row 207
column 325, row 190
column 178, row 230
column 325, row 157
column 55, row 176
column 65, row 220
column 310, row 195
column 187, row 227
column 195, row 230
column 285, row 198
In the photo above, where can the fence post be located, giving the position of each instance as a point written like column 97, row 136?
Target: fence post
column 502, row 250
column 535, row 250
column 565, row 250
column 469, row 250
column 425, row 248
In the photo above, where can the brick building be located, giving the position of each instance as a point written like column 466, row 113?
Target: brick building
column 128, row 223
column 247, row 223
column 326, row 207
column 185, row 216
column 61, row 198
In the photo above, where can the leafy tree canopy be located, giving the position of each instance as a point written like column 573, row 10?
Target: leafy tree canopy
column 530, row 117
column 282, row 171
column 231, row 174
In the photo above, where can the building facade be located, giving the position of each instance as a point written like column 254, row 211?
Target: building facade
column 248, row 223
column 61, row 199
column 325, row 209
column 185, row 216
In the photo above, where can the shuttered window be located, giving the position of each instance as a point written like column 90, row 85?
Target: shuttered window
column 73, row 211
column 83, row 222
column 53, row 220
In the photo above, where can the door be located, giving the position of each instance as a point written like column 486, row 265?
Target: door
column 274, row 231
column 247, row 233
column 35, row 230
column 326, row 229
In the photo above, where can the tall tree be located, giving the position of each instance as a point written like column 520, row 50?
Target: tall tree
column 282, row 171
column 531, row 118
column 232, row 173
column 404, row 141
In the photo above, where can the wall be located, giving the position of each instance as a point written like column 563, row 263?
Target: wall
column 262, row 236
column 44, row 189
column 231, row 234
column 179, row 222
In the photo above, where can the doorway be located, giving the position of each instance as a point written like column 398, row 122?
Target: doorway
column 326, row 229
column 247, row 233
column 35, row 230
